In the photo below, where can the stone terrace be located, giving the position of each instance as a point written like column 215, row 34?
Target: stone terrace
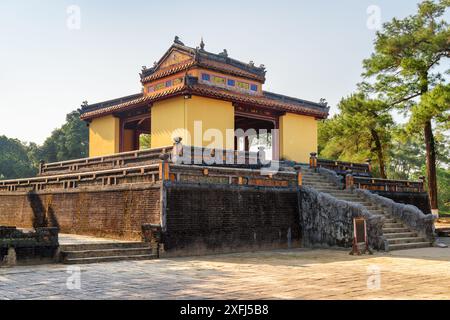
column 283, row 274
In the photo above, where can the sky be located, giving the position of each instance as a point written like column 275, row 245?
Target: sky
column 56, row 54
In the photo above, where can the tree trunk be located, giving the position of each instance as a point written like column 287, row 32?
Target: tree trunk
column 379, row 151
column 430, row 151
column 431, row 164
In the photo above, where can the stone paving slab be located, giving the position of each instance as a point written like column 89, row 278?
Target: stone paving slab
column 280, row 274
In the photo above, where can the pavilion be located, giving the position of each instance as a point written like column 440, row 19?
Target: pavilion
column 190, row 86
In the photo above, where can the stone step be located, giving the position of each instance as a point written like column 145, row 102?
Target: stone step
column 393, row 225
column 400, row 235
column 348, row 198
column 324, row 190
column 109, row 259
column 394, row 230
column 315, row 178
column 316, row 185
column 412, row 245
column 390, row 220
column 337, row 193
column 102, row 246
column 405, row 240
column 118, row 252
column 312, row 174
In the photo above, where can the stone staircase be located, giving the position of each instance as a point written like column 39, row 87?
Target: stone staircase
column 105, row 252
column 398, row 235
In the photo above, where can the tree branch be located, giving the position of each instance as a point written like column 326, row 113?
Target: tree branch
column 406, row 99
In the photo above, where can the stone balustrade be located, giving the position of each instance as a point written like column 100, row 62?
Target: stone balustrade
column 19, row 247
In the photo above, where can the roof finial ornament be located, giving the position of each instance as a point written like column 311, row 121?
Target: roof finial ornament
column 202, row 45
column 224, row 53
column 84, row 103
column 323, row 102
column 251, row 63
column 178, row 41
column 155, row 64
column 144, row 68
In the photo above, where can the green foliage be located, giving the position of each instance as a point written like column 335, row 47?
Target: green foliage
column 15, row 160
column 403, row 70
column 20, row 160
column 71, row 141
column 444, row 189
column 434, row 104
column 407, row 52
column 145, row 141
column 359, row 132
column 406, row 156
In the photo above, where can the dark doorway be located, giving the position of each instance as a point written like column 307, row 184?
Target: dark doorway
column 135, row 130
column 259, row 131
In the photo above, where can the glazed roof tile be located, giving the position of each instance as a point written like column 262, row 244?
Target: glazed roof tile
column 267, row 100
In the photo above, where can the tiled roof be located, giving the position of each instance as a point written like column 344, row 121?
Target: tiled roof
column 268, row 100
column 306, row 108
column 169, row 71
column 88, row 113
column 113, row 102
column 292, row 100
column 202, row 58
column 227, row 68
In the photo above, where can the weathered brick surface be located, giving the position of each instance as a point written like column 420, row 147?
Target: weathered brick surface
column 228, row 218
column 116, row 212
column 199, row 218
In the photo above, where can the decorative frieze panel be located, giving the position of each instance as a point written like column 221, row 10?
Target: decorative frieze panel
column 165, row 84
column 229, row 83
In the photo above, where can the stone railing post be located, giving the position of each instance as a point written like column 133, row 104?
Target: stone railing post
column 261, row 155
column 177, row 152
column 313, row 160
column 422, row 183
column 164, row 167
column 369, row 163
column 152, row 234
column 349, row 180
column 41, row 166
column 298, row 169
column 11, row 259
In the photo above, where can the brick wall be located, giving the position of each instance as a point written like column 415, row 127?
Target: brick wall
column 212, row 218
column 115, row 212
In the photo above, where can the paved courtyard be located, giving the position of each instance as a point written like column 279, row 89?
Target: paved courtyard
column 281, row 274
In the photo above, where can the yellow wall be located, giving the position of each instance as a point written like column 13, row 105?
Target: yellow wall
column 104, row 136
column 298, row 137
column 167, row 117
column 177, row 114
column 214, row 114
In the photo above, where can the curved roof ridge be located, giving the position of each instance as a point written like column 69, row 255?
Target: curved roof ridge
column 287, row 99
